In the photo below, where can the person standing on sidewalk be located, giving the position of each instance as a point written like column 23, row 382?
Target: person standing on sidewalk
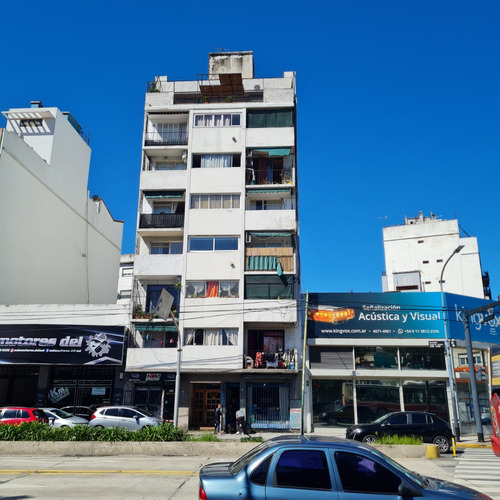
column 218, row 419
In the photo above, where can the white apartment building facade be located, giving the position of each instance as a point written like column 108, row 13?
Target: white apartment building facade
column 416, row 252
column 54, row 229
column 62, row 334
column 218, row 228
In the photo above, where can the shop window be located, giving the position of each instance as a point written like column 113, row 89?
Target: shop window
column 422, row 358
column 376, row 357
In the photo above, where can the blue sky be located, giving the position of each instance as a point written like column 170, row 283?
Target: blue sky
column 398, row 106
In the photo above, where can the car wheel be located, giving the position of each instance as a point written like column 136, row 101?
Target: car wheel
column 369, row 438
column 443, row 442
column 98, row 427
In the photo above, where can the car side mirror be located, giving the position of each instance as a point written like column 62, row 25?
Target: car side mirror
column 406, row 490
column 52, row 419
column 136, row 417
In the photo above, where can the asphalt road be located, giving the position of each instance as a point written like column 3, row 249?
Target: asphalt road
column 96, row 478
column 133, row 477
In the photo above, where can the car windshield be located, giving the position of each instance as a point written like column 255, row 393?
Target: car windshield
column 60, row 413
column 243, row 461
column 417, row 478
column 381, row 419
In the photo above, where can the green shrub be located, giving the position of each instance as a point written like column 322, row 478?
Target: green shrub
column 252, row 440
column 37, row 431
column 205, row 437
column 399, row 439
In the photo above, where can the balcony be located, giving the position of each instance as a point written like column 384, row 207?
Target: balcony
column 269, row 176
column 264, row 259
column 166, row 138
column 161, row 221
column 194, row 359
column 150, row 265
column 282, row 360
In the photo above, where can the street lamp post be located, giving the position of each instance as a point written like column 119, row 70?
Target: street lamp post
column 449, row 359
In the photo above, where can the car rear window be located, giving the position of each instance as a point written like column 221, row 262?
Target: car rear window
column 243, row 461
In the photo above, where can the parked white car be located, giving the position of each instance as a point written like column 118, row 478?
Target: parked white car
column 127, row 417
column 61, row 418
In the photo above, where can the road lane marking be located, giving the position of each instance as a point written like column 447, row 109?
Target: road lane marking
column 100, row 472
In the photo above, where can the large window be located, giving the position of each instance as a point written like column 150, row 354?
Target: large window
column 216, row 161
column 215, row 201
column 204, row 289
column 269, row 287
column 211, row 243
column 211, row 336
column 265, row 118
column 217, row 120
column 266, row 204
column 166, row 247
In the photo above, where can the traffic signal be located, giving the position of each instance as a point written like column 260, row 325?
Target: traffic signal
column 482, row 373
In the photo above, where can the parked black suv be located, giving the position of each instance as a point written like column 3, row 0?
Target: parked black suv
column 428, row 426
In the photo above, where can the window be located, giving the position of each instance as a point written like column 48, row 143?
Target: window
column 128, row 413
column 112, row 412
column 166, row 247
column 266, row 204
column 153, row 294
column 215, row 201
column 125, row 294
column 266, row 118
column 127, row 271
column 216, row 161
column 32, row 123
column 361, row 474
column 269, row 287
column 211, row 336
column 463, row 360
column 211, row 120
column 168, row 165
column 211, row 243
column 259, row 475
column 164, row 207
column 303, row 469
column 204, row 289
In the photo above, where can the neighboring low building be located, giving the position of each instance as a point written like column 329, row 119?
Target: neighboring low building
column 416, row 252
column 126, row 279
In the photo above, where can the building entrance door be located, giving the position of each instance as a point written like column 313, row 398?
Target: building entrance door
column 204, row 400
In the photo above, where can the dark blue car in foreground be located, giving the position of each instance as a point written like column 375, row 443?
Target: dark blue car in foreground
column 316, row 468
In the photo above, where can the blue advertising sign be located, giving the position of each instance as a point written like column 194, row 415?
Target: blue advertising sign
column 394, row 315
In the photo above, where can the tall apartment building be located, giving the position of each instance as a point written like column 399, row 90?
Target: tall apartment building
column 217, row 227
column 416, row 252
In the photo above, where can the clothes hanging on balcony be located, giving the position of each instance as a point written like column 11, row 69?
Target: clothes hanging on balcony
column 264, row 263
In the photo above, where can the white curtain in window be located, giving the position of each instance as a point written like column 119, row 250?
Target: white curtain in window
column 212, row 336
column 216, row 161
column 232, row 336
column 189, row 336
column 198, row 121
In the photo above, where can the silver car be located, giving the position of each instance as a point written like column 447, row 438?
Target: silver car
column 127, row 417
column 61, row 418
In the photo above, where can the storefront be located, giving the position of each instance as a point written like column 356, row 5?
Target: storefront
column 370, row 354
column 61, row 365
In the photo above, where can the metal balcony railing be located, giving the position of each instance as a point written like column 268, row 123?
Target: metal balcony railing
column 166, row 139
column 148, row 221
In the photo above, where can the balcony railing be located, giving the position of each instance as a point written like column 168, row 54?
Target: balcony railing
column 166, row 139
column 284, row 254
column 283, row 360
column 148, row 221
column 269, row 176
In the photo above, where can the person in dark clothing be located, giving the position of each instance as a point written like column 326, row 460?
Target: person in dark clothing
column 218, row 419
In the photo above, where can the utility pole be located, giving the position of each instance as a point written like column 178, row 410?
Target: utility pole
column 470, row 361
column 304, row 346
